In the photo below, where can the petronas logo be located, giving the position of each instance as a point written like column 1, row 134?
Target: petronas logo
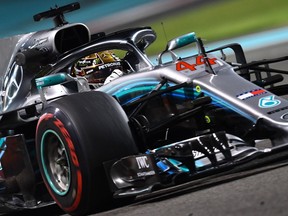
column 268, row 102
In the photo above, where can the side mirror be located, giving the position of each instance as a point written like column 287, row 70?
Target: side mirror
column 50, row 80
column 176, row 43
column 181, row 41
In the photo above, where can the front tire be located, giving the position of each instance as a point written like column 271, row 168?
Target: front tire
column 74, row 136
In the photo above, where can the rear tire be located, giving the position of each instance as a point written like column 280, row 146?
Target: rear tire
column 74, row 136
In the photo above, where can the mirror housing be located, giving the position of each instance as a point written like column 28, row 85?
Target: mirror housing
column 181, row 41
column 177, row 43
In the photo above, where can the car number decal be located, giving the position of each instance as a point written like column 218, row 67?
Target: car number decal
column 182, row 65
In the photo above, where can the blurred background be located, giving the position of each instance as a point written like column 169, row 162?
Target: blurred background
column 260, row 26
column 213, row 20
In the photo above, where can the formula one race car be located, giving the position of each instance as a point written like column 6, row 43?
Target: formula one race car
column 89, row 120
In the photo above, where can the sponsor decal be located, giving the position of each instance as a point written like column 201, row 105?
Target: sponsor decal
column 77, row 191
column 108, row 65
column 148, row 173
column 197, row 154
column 142, row 162
column 86, row 62
column 250, row 94
column 277, row 110
column 268, row 102
column 11, row 84
column 38, row 42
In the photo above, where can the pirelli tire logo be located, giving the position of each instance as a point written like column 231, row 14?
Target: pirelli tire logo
column 145, row 166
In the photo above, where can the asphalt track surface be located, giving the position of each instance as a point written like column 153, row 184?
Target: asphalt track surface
column 258, row 191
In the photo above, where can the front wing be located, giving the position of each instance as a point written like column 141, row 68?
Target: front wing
column 180, row 162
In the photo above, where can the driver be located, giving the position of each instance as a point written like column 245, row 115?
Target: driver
column 99, row 68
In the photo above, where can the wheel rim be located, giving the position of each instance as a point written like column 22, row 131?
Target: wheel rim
column 55, row 162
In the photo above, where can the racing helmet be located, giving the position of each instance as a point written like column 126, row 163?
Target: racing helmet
column 97, row 67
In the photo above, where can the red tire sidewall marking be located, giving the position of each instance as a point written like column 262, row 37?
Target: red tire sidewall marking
column 56, row 122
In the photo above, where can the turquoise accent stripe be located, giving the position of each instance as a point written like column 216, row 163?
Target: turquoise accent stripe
column 2, row 141
column 46, row 166
column 219, row 102
column 50, row 80
column 2, row 149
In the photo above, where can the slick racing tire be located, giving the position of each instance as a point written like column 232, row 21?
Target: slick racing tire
column 74, row 136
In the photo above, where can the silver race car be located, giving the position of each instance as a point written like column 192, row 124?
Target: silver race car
column 88, row 120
